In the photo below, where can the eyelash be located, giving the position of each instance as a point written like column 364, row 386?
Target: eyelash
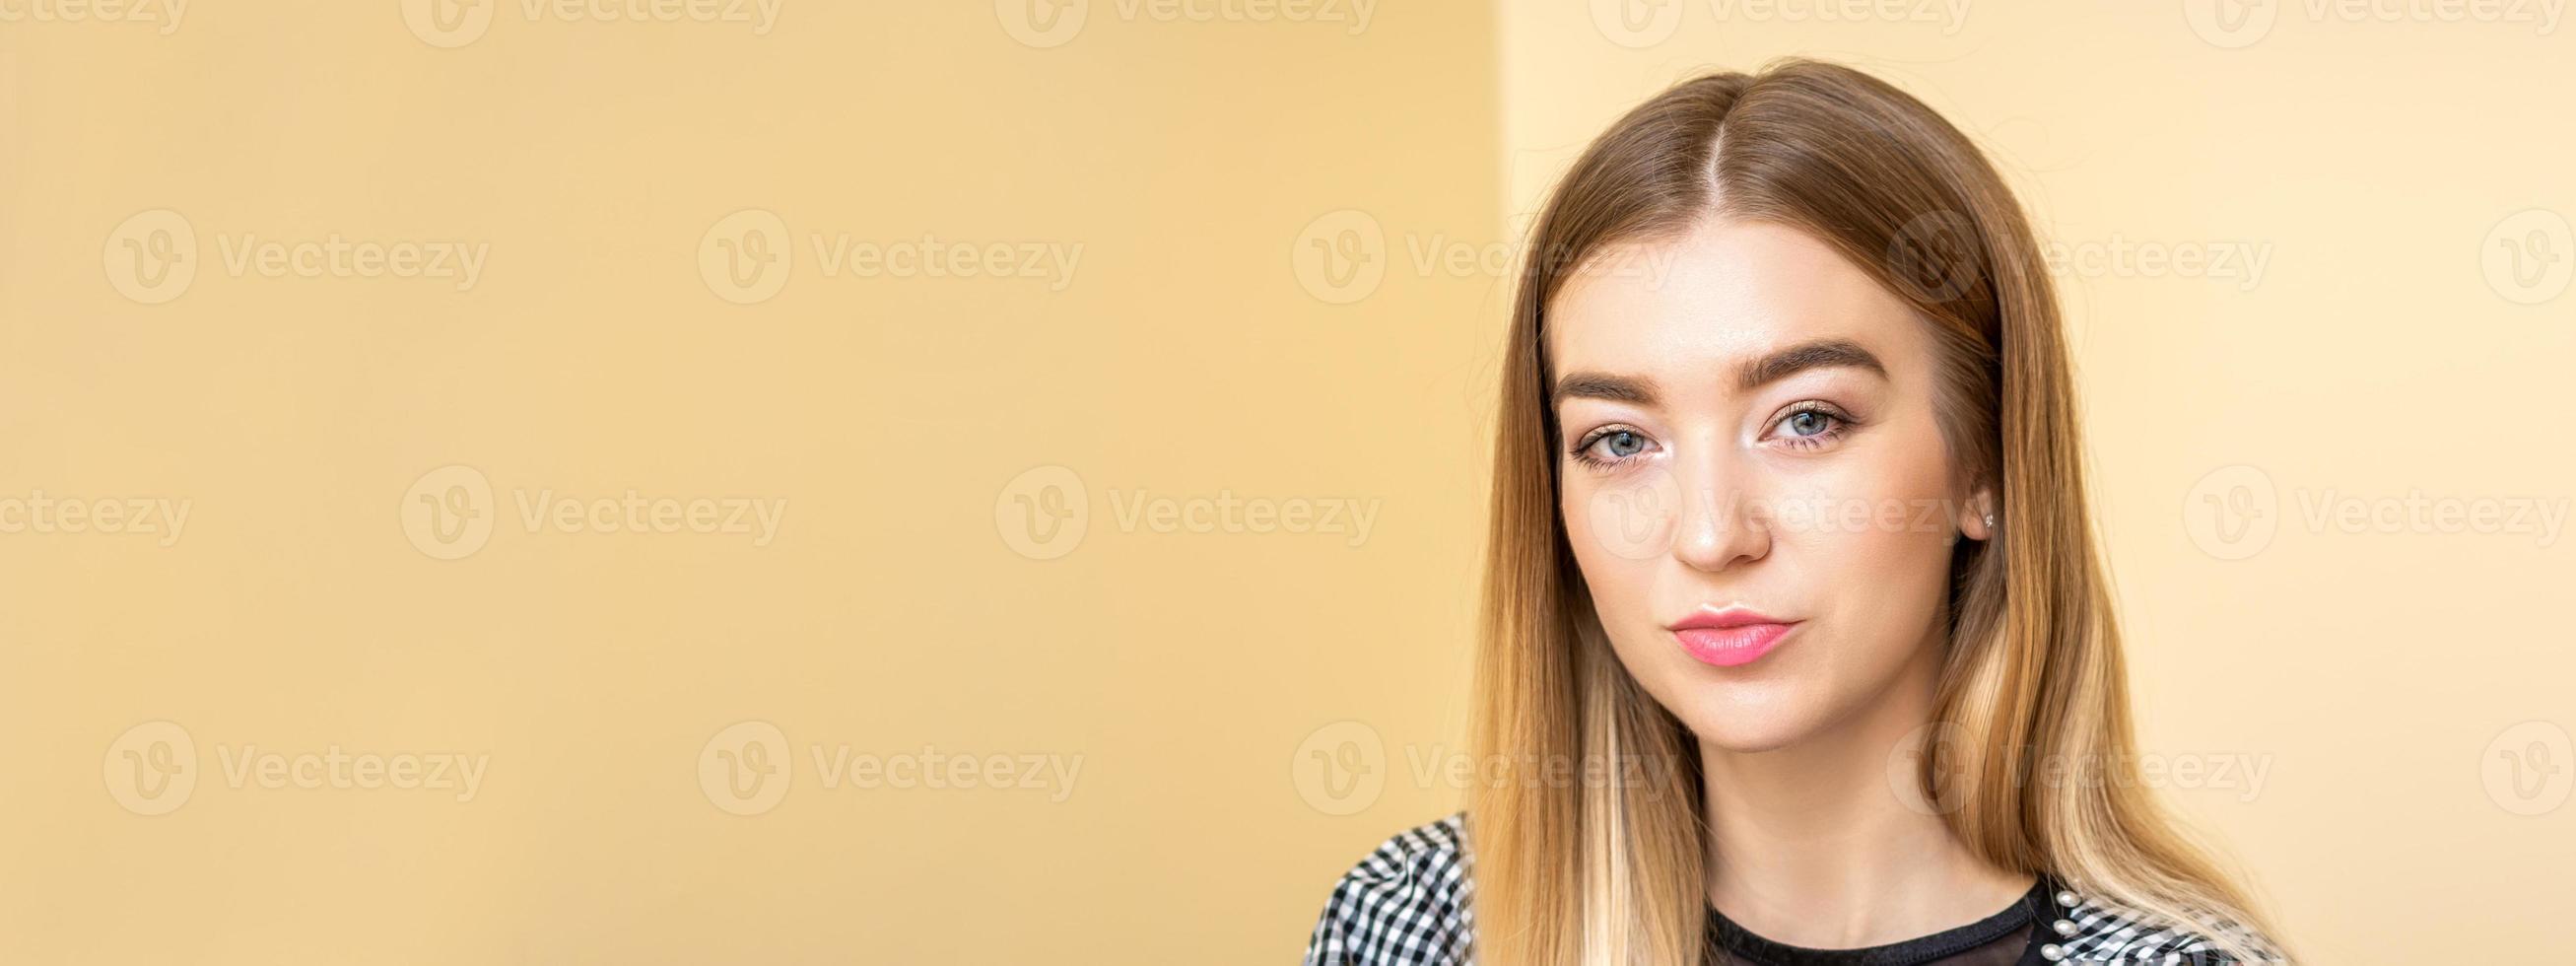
column 1840, row 425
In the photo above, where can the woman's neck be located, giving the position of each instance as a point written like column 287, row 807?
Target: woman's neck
column 1811, row 845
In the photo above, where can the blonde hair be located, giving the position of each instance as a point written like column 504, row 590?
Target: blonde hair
column 1601, row 873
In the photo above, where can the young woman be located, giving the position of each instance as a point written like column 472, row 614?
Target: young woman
column 1796, row 650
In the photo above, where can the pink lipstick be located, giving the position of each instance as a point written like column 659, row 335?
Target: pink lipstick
column 1726, row 638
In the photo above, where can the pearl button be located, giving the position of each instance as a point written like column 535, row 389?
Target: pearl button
column 2066, row 898
column 2064, row 927
column 2051, row 952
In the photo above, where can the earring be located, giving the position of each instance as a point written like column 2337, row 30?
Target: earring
column 1990, row 519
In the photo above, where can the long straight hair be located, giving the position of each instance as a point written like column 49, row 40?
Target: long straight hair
column 1612, row 872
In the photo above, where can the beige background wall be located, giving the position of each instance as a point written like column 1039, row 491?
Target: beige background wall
column 1161, row 676
column 1113, row 382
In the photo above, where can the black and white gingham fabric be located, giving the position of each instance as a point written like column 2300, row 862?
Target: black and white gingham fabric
column 2107, row 934
column 1407, row 904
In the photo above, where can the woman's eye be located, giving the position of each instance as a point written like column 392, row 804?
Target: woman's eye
column 1811, row 425
column 1611, row 446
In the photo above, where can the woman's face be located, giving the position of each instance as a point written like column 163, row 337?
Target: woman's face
column 1748, row 435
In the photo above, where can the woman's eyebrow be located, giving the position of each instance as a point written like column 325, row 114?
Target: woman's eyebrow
column 1817, row 354
column 1632, row 390
column 1752, row 375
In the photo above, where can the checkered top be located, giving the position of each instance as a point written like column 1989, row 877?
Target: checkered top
column 1407, row 904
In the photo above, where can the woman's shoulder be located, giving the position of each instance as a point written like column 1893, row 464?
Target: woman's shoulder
column 2108, row 932
column 1405, row 904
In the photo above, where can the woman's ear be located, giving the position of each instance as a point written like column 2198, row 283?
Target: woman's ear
column 1979, row 521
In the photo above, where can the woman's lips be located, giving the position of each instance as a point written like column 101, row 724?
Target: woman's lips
column 1730, row 646
column 1729, row 637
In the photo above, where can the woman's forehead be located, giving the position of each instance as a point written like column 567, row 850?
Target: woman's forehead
column 1725, row 290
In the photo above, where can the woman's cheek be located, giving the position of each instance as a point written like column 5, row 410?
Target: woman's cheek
column 1887, row 529
column 1620, row 530
column 1623, row 518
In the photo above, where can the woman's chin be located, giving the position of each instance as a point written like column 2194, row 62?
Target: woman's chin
column 1747, row 723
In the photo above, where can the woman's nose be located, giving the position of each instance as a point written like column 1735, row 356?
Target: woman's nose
column 1721, row 522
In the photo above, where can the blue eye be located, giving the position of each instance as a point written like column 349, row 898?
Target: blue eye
column 1812, row 424
column 1611, row 445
